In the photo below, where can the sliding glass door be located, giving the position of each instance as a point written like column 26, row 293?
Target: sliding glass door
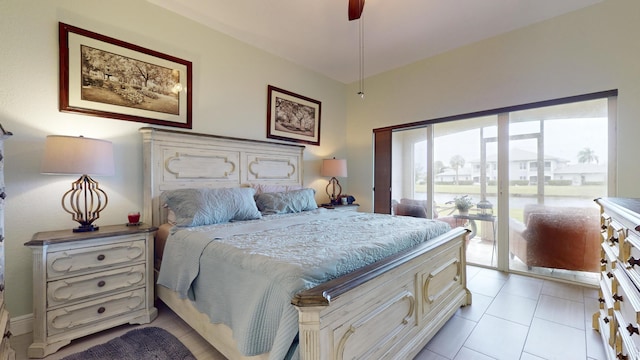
column 465, row 173
column 528, row 177
column 558, row 163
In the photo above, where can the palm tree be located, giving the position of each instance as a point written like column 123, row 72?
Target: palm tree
column 587, row 156
column 456, row 162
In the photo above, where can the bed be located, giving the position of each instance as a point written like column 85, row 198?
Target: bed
column 387, row 309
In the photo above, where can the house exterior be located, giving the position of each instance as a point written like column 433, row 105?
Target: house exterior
column 523, row 166
column 582, row 174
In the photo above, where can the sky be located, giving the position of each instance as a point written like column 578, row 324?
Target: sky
column 564, row 138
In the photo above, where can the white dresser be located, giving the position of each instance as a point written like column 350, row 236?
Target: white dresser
column 618, row 319
column 6, row 353
column 87, row 282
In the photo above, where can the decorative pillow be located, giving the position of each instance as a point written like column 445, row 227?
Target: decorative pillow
column 286, row 202
column 411, row 210
column 195, row 207
column 268, row 188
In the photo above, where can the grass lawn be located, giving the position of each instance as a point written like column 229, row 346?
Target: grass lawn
column 588, row 191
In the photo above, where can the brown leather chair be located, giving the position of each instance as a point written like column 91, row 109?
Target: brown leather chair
column 557, row 237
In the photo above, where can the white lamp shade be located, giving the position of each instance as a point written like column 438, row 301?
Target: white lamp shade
column 334, row 167
column 77, row 155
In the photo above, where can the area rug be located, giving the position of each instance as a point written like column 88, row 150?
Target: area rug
column 145, row 343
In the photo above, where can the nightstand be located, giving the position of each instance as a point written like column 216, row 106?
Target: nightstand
column 350, row 207
column 91, row 281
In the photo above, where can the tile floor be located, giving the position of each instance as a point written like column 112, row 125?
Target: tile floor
column 512, row 317
column 519, row 317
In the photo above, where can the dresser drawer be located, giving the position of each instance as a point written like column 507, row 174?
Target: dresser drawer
column 606, row 296
column 77, row 261
column 614, row 237
column 631, row 262
column 626, row 307
column 625, row 348
column 86, row 314
column 609, row 261
column 607, row 326
column 72, row 289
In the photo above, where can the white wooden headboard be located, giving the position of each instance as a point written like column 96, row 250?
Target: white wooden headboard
column 179, row 159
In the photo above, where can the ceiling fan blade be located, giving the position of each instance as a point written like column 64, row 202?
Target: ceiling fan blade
column 355, row 9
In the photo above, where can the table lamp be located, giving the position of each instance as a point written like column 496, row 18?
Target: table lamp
column 84, row 156
column 334, row 168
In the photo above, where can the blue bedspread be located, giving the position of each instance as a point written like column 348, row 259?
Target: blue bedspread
column 245, row 274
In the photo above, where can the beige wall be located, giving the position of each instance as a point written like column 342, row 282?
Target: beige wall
column 590, row 50
column 230, row 98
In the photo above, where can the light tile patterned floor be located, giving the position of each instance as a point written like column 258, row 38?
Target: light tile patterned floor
column 518, row 317
column 512, row 317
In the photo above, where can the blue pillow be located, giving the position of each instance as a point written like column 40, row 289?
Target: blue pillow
column 286, row 202
column 196, row 207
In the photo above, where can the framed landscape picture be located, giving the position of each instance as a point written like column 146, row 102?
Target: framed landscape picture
column 106, row 77
column 292, row 117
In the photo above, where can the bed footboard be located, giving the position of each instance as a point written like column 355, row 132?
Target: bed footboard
column 388, row 310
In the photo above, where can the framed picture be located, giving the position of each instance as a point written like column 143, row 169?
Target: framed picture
column 106, row 77
column 292, row 117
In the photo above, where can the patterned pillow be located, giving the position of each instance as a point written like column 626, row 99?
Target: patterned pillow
column 196, row 207
column 286, row 202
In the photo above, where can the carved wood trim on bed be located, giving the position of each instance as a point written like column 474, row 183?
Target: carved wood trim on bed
column 387, row 310
column 179, row 159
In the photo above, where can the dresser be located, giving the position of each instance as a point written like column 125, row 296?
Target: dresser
column 87, row 282
column 618, row 317
column 6, row 353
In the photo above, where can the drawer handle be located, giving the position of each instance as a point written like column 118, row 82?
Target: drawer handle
column 601, row 300
column 101, row 283
column 603, row 261
column 632, row 329
column 606, row 320
column 633, row 261
column 609, row 275
column 613, row 240
column 101, row 309
column 7, row 335
column 101, row 257
column 622, row 357
column 617, row 297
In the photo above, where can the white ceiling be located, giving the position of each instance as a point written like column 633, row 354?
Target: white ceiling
column 318, row 35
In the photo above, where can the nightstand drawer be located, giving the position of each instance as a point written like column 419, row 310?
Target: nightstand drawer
column 68, row 290
column 86, row 314
column 5, row 333
column 76, row 261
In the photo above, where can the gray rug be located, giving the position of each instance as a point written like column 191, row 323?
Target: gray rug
column 146, row 343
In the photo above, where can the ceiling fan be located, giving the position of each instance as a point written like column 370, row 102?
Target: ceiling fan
column 355, row 9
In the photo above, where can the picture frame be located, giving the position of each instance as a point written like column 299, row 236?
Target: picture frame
column 293, row 117
column 106, row 77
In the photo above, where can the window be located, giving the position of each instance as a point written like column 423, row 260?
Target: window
column 496, row 158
